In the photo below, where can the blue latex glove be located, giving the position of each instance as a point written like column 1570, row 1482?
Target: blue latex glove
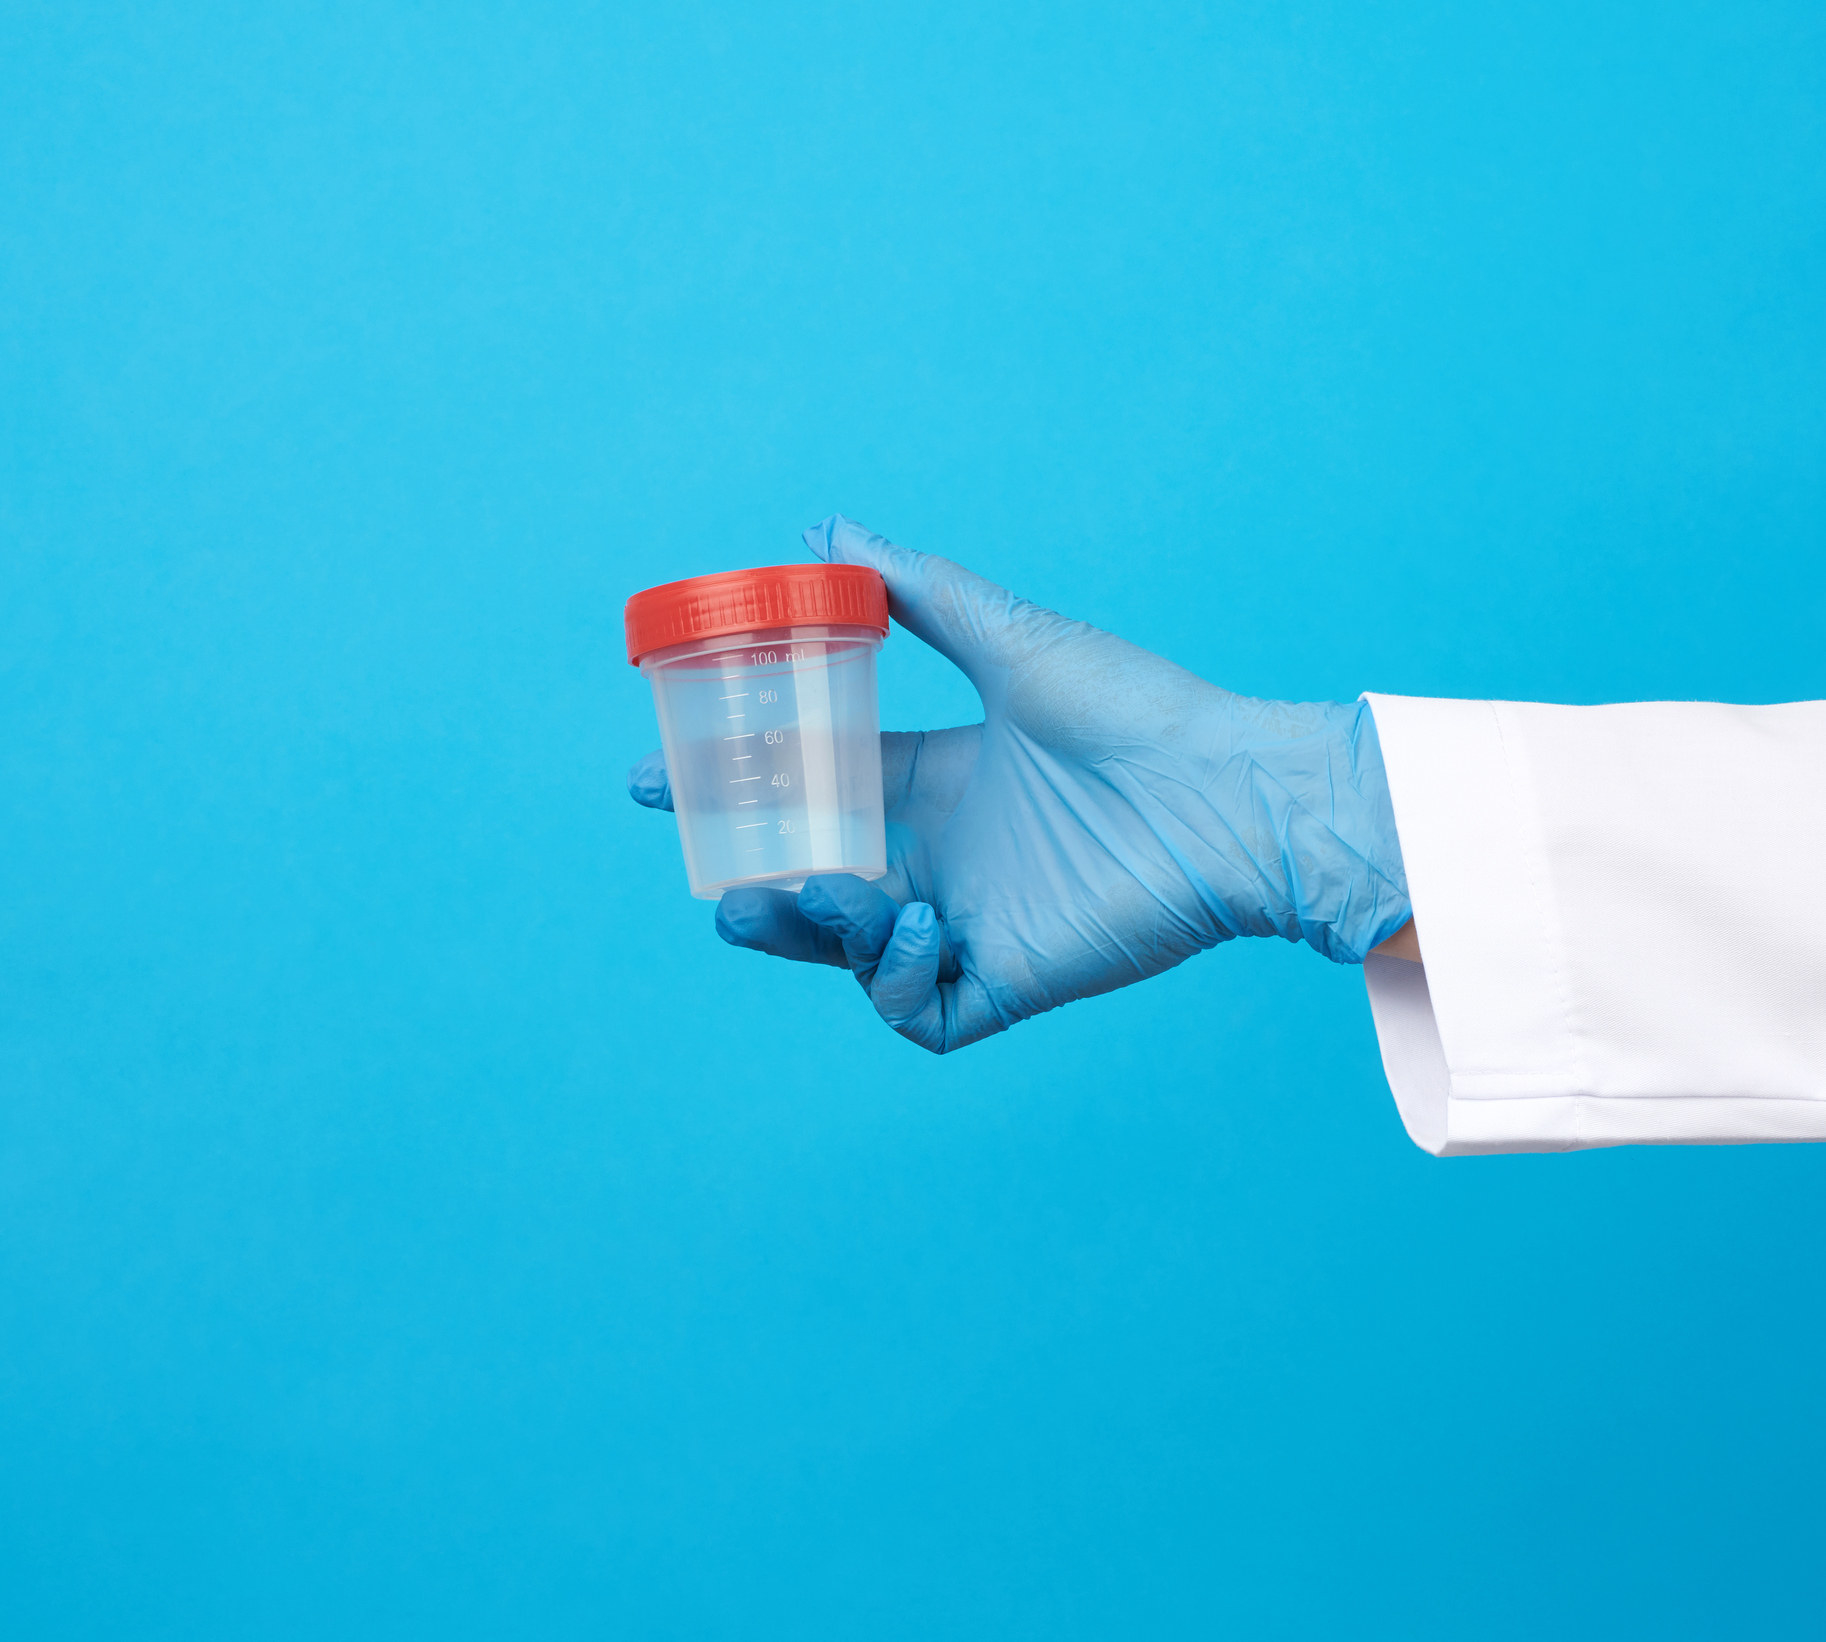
column 1111, row 816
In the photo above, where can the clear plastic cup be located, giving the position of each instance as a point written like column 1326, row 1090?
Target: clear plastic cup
column 770, row 720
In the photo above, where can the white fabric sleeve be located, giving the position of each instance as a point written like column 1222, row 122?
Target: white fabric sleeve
column 1622, row 912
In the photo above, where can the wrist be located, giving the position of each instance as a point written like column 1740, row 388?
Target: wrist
column 1404, row 943
column 1324, row 845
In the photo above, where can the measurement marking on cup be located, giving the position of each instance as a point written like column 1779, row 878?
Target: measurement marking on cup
column 736, row 697
column 737, row 780
column 741, row 801
column 747, row 824
column 746, row 735
column 740, row 758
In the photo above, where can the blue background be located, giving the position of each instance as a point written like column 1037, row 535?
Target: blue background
column 413, row 1222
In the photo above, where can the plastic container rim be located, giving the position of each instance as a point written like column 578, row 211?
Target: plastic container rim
column 804, row 632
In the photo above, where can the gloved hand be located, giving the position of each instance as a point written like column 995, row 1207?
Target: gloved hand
column 1111, row 816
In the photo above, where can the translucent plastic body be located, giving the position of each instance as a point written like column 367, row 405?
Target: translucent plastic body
column 773, row 748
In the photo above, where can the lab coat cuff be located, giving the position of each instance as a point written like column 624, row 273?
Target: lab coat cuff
column 1488, row 1016
column 1488, row 1044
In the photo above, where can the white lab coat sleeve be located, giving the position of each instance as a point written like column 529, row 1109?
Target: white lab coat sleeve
column 1622, row 912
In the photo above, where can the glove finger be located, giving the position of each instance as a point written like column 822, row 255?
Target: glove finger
column 649, row 784
column 960, row 614
column 857, row 913
column 863, row 915
column 905, row 990
column 769, row 920
column 924, row 772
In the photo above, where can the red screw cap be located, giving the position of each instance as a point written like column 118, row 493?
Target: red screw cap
column 746, row 601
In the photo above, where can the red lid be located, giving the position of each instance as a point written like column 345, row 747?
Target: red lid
column 746, row 601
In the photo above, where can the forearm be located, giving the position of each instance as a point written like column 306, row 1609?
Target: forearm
column 1404, row 943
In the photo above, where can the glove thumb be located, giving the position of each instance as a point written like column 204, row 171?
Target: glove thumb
column 963, row 617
